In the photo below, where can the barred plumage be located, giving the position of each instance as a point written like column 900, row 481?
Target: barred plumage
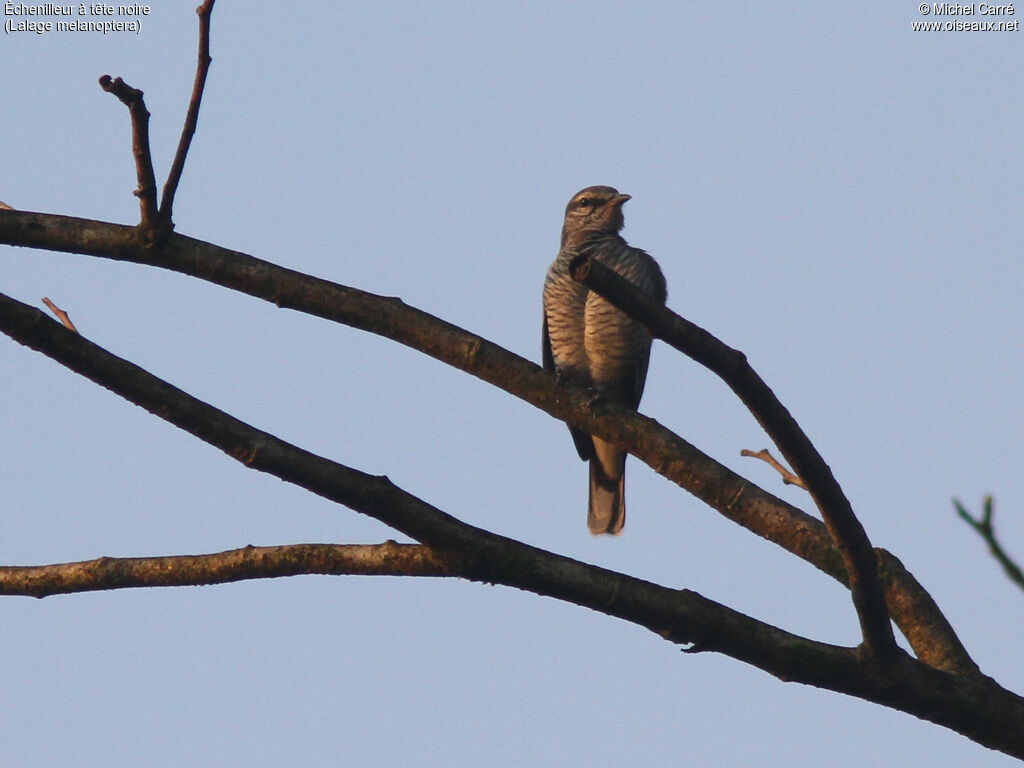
column 591, row 343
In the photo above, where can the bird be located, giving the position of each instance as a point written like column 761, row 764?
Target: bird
column 589, row 342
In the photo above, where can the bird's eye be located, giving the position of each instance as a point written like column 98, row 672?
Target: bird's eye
column 584, row 202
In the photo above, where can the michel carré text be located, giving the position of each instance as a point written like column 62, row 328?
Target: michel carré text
column 971, row 9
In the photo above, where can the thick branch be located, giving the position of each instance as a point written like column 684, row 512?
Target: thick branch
column 388, row 559
column 486, row 556
column 191, row 117
column 732, row 367
column 920, row 620
column 146, row 192
column 970, row 704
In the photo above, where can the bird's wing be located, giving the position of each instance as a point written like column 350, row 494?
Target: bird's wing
column 635, row 387
column 547, row 359
column 583, row 441
column 658, row 290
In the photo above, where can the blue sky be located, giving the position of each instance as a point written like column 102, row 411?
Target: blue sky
column 824, row 188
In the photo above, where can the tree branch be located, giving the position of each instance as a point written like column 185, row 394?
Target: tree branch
column 966, row 701
column 105, row 573
column 731, row 366
column 970, row 704
column 61, row 314
column 766, row 456
column 146, row 191
column 919, row 618
column 191, row 117
column 985, row 528
column 156, row 221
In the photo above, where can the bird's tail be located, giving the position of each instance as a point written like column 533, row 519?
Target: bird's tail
column 606, row 512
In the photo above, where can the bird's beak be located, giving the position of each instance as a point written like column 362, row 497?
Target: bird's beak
column 620, row 199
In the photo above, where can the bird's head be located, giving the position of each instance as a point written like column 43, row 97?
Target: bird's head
column 594, row 209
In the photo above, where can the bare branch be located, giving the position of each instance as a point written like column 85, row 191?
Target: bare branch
column 766, row 456
column 484, row 555
column 915, row 612
column 971, row 704
column 146, row 192
column 61, row 315
column 985, row 528
column 731, row 366
column 191, row 117
column 878, row 671
column 105, row 573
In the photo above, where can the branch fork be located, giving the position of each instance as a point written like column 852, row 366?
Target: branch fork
column 732, row 367
column 156, row 220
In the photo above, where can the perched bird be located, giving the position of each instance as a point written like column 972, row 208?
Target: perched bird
column 590, row 342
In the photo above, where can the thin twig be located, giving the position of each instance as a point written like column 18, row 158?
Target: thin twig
column 61, row 315
column 787, row 476
column 191, row 117
column 985, row 528
column 146, row 192
column 732, row 367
